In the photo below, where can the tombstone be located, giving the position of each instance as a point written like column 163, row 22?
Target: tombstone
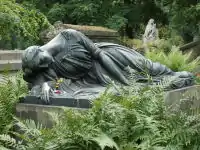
column 95, row 33
column 41, row 113
column 151, row 33
column 83, row 70
column 185, row 99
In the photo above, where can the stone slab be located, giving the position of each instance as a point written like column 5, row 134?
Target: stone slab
column 92, row 30
column 193, row 48
column 59, row 101
column 95, row 33
column 184, row 99
column 40, row 113
column 31, row 107
column 10, row 60
column 190, row 45
column 10, row 65
column 11, row 54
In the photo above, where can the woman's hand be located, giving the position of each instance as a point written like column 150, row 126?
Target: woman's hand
column 46, row 89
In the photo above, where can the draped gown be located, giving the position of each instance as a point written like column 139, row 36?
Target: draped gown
column 90, row 67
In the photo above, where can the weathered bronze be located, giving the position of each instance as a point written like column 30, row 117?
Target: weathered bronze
column 88, row 67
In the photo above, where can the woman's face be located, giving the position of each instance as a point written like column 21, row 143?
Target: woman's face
column 35, row 60
column 44, row 59
column 31, row 62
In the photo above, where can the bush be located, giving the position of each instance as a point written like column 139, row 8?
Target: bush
column 137, row 119
column 164, row 32
column 19, row 26
column 132, row 43
column 10, row 91
column 57, row 12
column 175, row 59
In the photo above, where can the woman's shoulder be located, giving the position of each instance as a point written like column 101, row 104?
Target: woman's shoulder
column 71, row 31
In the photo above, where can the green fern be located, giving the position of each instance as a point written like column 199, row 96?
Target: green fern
column 175, row 60
column 136, row 119
column 10, row 92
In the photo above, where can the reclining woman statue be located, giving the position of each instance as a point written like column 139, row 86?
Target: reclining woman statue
column 89, row 66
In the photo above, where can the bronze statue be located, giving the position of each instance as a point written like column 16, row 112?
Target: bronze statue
column 89, row 67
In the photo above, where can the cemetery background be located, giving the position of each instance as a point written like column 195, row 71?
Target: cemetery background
column 138, row 119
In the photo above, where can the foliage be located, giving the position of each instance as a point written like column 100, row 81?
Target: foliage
column 136, row 119
column 164, row 32
column 175, row 59
column 132, row 43
column 57, row 12
column 197, row 79
column 19, row 26
column 166, row 45
column 183, row 16
column 115, row 14
column 10, row 91
column 180, row 16
column 116, row 22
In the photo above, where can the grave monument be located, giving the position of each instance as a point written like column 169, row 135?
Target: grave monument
column 151, row 33
column 72, row 67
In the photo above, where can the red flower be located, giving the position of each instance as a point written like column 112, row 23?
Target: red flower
column 57, row 92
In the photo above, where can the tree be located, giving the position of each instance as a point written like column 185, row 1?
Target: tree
column 115, row 14
column 19, row 26
column 183, row 16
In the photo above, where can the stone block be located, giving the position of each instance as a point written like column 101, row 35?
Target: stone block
column 10, row 54
column 10, row 60
column 31, row 108
column 184, row 99
column 10, row 65
column 67, row 101
column 40, row 113
column 95, row 33
column 192, row 47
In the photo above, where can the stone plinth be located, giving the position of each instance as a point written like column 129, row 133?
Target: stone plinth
column 95, row 33
column 183, row 99
column 31, row 107
column 10, row 60
column 192, row 47
column 67, row 101
column 10, row 54
column 10, row 65
column 40, row 113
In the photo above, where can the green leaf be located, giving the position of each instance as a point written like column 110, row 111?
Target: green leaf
column 104, row 141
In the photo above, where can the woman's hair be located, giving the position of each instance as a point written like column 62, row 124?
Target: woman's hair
column 30, row 57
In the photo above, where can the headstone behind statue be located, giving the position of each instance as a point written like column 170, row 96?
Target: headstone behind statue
column 151, row 32
column 95, row 33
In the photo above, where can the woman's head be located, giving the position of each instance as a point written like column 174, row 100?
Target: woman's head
column 31, row 57
column 34, row 58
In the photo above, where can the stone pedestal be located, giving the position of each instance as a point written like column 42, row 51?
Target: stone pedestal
column 95, row 33
column 66, row 100
column 192, row 47
column 10, row 60
column 40, row 113
column 184, row 99
column 31, row 107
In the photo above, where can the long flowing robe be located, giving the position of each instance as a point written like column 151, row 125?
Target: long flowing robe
column 90, row 65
